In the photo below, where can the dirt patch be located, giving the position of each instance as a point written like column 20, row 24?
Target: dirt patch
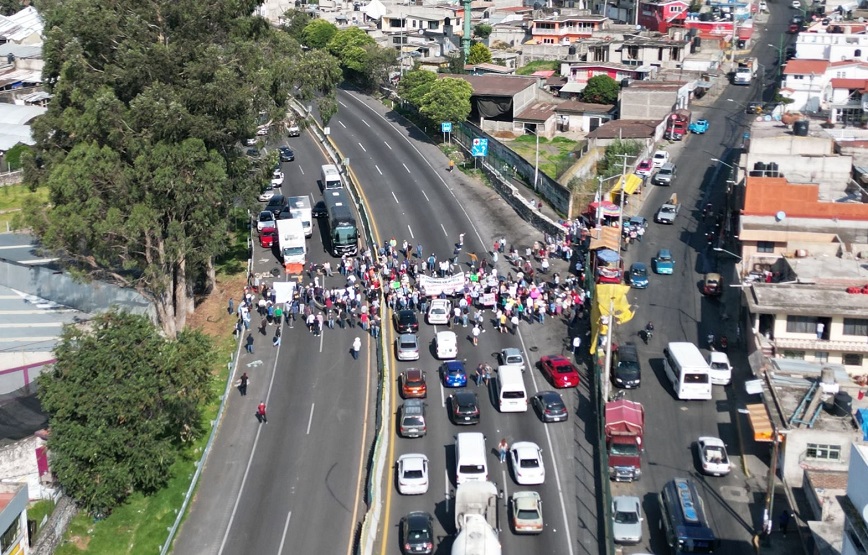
column 79, row 542
column 211, row 317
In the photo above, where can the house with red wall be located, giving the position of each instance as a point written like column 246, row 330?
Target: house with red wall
column 660, row 15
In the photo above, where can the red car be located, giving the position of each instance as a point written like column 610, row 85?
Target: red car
column 559, row 371
column 267, row 237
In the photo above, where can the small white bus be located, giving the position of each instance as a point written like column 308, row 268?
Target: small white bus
column 688, row 371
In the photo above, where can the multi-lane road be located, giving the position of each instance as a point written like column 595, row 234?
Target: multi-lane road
column 294, row 485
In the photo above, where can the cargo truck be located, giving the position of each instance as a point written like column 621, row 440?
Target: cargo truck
column 745, row 70
column 476, row 519
column 300, row 208
column 625, row 429
column 677, row 125
column 290, row 240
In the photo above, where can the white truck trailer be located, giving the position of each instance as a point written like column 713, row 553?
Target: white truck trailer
column 290, row 239
column 300, row 208
column 476, row 519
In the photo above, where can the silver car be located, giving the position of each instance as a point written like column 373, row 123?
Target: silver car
column 407, row 346
column 627, row 519
column 511, row 357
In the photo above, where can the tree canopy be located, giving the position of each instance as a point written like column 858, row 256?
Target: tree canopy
column 448, row 99
column 415, row 84
column 479, row 54
column 121, row 401
column 601, row 89
column 139, row 146
column 318, row 33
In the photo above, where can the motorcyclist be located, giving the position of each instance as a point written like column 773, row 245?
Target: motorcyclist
column 711, row 341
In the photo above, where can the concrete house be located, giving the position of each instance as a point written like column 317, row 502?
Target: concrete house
column 497, row 100
column 660, row 15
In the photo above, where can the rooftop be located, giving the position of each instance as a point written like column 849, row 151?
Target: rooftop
column 801, row 299
column 771, row 196
column 806, row 67
column 537, row 112
column 563, row 18
column 624, row 129
column 495, row 85
column 576, row 107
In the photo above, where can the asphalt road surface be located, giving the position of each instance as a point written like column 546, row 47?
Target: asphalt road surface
column 680, row 313
column 412, row 197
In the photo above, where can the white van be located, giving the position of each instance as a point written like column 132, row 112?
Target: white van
column 331, row 177
column 511, row 393
column 720, row 369
column 470, row 460
column 446, row 345
column 687, row 370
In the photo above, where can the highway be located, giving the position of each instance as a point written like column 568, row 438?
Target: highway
column 412, row 197
column 674, row 303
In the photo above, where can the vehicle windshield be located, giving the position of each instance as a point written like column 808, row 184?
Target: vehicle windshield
column 512, row 395
column 629, row 370
column 413, row 421
column 625, row 517
column 419, row 535
column 529, row 463
column 413, row 474
column 408, row 345
column 528, row 514
column 293, row 251
column 695, row 378
column 471, row 469
column 667, row 209
column 624, row 449
column 346, row 235
column 719, row 366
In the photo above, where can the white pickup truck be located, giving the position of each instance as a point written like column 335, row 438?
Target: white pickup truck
column 667, row 212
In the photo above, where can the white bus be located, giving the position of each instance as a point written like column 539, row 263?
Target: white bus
column 688, row 371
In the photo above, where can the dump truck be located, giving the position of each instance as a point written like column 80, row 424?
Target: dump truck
column 677, row 124
column 476, row 519
column 625, row 428
column 745, row 70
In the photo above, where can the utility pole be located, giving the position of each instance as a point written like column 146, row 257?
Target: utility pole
column 465, row 40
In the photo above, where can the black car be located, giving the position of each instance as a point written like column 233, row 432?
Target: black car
column 286, row 154
column 276, row 204
column 464, row 407
column 417, row 533
column 319, row 210
column 549, row 406
column 252, row 153
column 626, row 372
column 406, row 321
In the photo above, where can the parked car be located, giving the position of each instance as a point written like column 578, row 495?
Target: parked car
column 637, row 275
column 417, row 533
column 527, row 463
column 526, row 512
column 267, row 237
column 413, row 384
column 511, row 357
column 763, row 7
column 266, row 219
column 413, row 422
column 796, row 5
column 412, row 474
column 660, row 157
column 464, row 408
column 712, row 285
column 560, row 371
column 407, row 346
column 664, row 263
column 712, row 456
column 549, row 406
column 627, row 370
column 453, row 374
column 277, row 178
column 644, row 168
column 698, row 127
column 665, row 175
column 627, row 519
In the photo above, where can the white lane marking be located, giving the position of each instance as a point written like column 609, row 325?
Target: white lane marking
column 321, row 334
column 33, row 325
column 388, row 145
column 505, row 483
column 361, row 146
column 301, row 169
column 411, row 232
column 342, row 124
column 283, row 537
column 21, row 246
column 366, row 123
column 406, row 168
column 551, row 452
column 378, row 169
column 342, row 104
column 394, row 197
column 446, row 488
column 426, row 196
column 259, row 429
column 444, row 230
column 442, row 395
column 310, row 418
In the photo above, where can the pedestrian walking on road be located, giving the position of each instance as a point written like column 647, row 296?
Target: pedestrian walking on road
column 502, row 450
column 577, row 343
column 260, row 413
column 242, row 384
column 480, row 373
column 249, row 344
column 451, row 165
column 784, row 521
column 475, row 333
column 262, row 325
column 357, row 346
column 276, row 340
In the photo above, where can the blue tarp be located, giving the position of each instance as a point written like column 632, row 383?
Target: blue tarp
column 608, row 255
column 862, row 419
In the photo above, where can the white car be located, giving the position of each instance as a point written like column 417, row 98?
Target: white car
column 266, row 219
column 527, row 513
column 293, row 130
column 720, row 369
column 712, row 456
column 266, row 194
column 446, row 345
column 763, row 7
column 527, row 463
column 413, row 474
column 439, row 311
column 627, row 519
column 660, row 157
column 511, row 357
column 796, row 5
column 277, row 179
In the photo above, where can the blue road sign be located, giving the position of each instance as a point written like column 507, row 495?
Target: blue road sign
column 479, row 147
column 446, row 127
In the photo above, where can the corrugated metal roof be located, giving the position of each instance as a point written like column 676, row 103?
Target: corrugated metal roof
column 11, row 135
column 18, row 115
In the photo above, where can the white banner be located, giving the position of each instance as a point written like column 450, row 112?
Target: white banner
column 433, row 287
column 283, row 291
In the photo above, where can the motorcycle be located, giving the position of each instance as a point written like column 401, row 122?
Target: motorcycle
column 647, row 333
column 724, row 343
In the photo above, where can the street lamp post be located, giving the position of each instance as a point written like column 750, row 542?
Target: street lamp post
column 719, row 161
column 536, row 163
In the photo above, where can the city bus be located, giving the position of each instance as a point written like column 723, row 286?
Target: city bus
column 342, row 231
column 688, row 371
column 683, row 519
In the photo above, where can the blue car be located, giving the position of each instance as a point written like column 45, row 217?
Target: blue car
column 699, row 126
column 663, row 262
column 453, row 373
column 637, row 276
